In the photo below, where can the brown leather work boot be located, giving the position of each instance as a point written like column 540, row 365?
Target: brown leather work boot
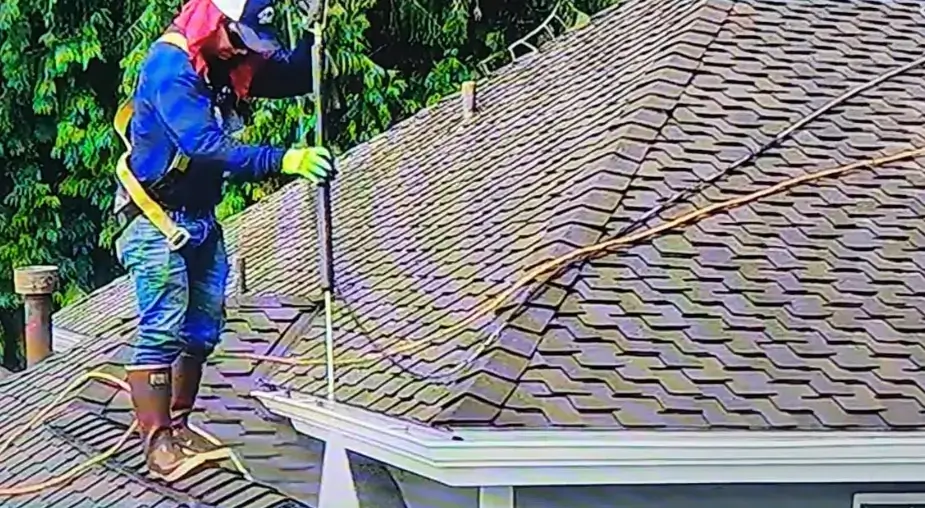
column 151, row 390
column 187, row 374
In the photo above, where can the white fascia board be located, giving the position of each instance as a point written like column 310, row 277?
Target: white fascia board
column 63, row 340
column 484, row 458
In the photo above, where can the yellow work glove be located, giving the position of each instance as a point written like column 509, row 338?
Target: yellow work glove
column 314, row 163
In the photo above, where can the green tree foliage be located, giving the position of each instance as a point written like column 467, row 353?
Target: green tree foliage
column 67, row 65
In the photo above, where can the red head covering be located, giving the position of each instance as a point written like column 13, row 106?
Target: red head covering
column 198, row 21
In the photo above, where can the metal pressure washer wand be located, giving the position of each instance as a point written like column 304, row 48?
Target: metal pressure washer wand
column 323, row 193
column 323, row 203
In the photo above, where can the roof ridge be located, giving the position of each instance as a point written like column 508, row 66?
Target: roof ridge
column 580, row 219
column 637, row 117
column 647, row 110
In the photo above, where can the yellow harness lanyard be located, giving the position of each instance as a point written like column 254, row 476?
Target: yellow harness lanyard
column 176, row 235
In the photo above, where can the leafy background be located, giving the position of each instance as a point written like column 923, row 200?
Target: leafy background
column 67, row 65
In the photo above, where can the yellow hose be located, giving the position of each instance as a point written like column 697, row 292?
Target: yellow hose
column 102, row 457
column 596, row 249
column 72, row 473
column 411, row 347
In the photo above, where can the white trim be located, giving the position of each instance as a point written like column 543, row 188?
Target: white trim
column 485, row 458
column 338, row 489
column 63, row 340
column 899, row 499
column 496, row 497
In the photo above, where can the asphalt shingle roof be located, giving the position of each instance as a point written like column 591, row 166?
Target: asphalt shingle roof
column 284, row 466
column 802, row 310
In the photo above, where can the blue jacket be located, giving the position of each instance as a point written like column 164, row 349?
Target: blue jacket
column 175, row 111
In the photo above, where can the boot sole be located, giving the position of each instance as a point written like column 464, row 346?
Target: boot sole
column 190, row 463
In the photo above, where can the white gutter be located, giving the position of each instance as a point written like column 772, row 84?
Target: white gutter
column 485, row 458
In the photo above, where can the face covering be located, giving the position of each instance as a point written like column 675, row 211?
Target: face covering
column 198, row 21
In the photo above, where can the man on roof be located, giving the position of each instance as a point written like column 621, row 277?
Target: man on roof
column 178, row 128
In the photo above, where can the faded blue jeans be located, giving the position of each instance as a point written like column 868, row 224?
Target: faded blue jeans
column 180, row 294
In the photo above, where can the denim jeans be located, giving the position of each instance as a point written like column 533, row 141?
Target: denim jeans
column 180, row 294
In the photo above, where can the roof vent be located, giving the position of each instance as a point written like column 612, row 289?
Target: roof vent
column 469, row 104
column 36, row 284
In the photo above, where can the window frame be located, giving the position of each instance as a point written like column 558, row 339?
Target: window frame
column 861, row 500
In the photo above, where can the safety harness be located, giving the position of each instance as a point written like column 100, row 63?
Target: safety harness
column 140, row 201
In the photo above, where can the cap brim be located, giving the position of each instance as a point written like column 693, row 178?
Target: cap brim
column 256, row 41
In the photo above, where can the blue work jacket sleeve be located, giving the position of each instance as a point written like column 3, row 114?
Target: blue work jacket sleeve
column 285, row 73
column 183, row 104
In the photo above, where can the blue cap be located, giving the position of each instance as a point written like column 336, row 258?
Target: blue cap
column 255, row 27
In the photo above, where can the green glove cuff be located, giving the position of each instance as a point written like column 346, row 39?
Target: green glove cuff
column 291, row 161
column 314, row 163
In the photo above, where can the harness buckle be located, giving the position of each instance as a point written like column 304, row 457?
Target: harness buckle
column 178, row 239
